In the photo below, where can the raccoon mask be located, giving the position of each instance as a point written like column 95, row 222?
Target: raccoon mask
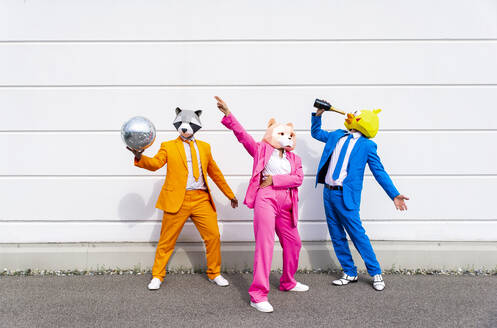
column 187, row 122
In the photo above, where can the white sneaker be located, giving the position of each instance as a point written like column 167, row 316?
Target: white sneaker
column 262, row 306
column 299, row 288
column 378, row 282
column 345, row 280
column 154, row 284
column 220, row 281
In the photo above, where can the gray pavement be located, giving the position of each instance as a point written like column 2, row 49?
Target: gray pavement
column 189, row 300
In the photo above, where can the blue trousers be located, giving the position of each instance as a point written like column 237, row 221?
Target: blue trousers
column 341, row 219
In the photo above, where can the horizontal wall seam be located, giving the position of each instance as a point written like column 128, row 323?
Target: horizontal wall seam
column 225, row 131
column 157, row 176
column 244, row 243
column 323, row 220
column 255, row 40
column 232, row 86
column 289, row 85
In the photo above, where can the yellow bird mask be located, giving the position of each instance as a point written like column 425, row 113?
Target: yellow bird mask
column 365, row 121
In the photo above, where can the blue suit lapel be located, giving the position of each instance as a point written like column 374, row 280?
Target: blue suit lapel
column 328, row 149
column 357, row 147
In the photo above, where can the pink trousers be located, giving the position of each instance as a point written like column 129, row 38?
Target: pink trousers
column 272, row 213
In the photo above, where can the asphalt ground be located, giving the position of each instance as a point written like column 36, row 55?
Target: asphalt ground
column 190, row 300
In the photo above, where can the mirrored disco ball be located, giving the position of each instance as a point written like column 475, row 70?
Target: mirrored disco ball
column 138, row 133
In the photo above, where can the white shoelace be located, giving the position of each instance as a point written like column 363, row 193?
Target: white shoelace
column 378, row 279
column 346, row 279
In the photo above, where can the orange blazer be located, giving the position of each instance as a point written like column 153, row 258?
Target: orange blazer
column 173, row 191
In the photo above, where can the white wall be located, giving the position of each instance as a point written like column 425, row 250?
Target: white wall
column 71, row 72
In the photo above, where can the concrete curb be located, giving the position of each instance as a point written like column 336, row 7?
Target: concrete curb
column 238, row 256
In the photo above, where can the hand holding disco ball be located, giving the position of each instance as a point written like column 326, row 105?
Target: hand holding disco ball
column 138, row 134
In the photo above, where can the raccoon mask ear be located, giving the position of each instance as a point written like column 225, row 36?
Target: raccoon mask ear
column 178, row 110
column 198, row 112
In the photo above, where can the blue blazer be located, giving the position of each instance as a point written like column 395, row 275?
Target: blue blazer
column 364, row 151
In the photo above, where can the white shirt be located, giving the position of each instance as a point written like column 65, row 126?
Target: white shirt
column 277, row 165
column 334, row 159
column 191, row 184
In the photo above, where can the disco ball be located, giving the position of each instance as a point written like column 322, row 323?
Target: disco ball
column 138, row 133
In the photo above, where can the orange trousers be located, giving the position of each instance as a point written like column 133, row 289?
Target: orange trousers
column 197, row 206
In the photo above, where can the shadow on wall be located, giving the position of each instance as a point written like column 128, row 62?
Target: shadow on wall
column 133, row 210
column 310, row 157
column 315, row 252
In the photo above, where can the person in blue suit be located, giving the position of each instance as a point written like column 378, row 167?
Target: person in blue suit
column 341, row 170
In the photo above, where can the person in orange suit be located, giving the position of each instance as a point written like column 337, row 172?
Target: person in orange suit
column 186, row 194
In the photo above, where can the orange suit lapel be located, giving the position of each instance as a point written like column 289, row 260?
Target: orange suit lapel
column 181, row 150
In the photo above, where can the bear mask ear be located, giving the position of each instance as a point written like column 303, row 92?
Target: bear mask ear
column 178, row 110
column 198, row 112
column 271, row 122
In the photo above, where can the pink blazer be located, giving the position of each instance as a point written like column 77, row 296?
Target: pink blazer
column 261, row 152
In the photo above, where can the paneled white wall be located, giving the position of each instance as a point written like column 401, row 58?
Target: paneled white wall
column 71, row 72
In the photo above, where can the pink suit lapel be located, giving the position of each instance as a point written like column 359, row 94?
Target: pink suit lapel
column 264, row 157
column 293, row 191
column 268, row 151
column 291, row 159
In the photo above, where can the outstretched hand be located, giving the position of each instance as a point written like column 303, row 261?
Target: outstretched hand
column 137, row 153
column 400, row 203
column 222, row 106
column 234, row 202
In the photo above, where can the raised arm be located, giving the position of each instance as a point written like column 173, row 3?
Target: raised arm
column 152, row 163
column 232, row 123
column 316, row 131
column 217, row 176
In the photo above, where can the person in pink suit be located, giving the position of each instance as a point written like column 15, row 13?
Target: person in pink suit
column 273, row 194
